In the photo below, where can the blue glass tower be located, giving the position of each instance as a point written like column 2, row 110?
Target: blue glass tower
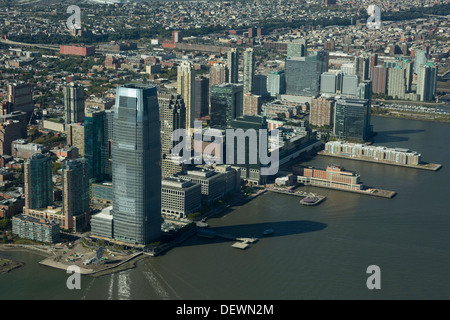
column 136, row 169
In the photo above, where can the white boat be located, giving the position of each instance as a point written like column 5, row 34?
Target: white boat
column 268, row 232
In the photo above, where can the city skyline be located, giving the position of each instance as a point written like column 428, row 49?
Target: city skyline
column 163, row 150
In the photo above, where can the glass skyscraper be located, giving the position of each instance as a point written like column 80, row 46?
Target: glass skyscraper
column 352, row 119
column 38, row 181
column 96, row 143
column 303, row 74
column 226, row 104
column 136, row 170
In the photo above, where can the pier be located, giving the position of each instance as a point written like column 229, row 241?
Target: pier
column 309, row 198
column 423, row 166
column 242, row 243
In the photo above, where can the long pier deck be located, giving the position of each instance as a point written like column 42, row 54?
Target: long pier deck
column 423, row 166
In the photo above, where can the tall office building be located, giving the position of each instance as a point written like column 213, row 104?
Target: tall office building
column 136, row 165
column 322, row 57
column 172, row 114
column 352, row 119
column 38, row 183
column 201, row 97
column 303, row 76
column 226, row 104
column 20, row 97
column 250, row 172
column 362, row 67
column 233, row 65
column 350, row 85
column 74, row 103
column 297, row 48
column 328, row 82
column 379, row 79
column 185, row 81
column 419, row 60
column 260, row 85
column 426, row 81
column 75, row 181
column 373, row 62
column 276, row 83
column 321, row 111
column 249, row 69
column 96, row 143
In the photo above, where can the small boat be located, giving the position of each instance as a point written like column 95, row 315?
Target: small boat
column 268, row 232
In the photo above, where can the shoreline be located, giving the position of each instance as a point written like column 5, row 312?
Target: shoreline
column 8, row 265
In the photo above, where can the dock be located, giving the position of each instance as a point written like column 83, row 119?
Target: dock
column 309, row 198
column 368, row 191
column 242, row 243
column 423, row 166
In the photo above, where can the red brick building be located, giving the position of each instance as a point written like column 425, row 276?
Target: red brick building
column 76, row 50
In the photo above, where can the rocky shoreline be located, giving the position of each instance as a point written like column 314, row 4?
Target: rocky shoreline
column 7, row 265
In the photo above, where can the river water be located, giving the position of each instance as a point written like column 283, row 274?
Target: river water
column 320, row 252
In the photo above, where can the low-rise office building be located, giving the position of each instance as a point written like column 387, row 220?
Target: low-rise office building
column 180, row 197
column 102, row 223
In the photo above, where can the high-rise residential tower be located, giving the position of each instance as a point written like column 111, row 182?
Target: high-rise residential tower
column 136, row 169
column 75, row 181
column 20, row 97
column 172, row 114
column 233, row 65
column 185, row 81
column 249, row 69
column 426, row 81
column 201, row 97
column 38, row 181
column 74, row 103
